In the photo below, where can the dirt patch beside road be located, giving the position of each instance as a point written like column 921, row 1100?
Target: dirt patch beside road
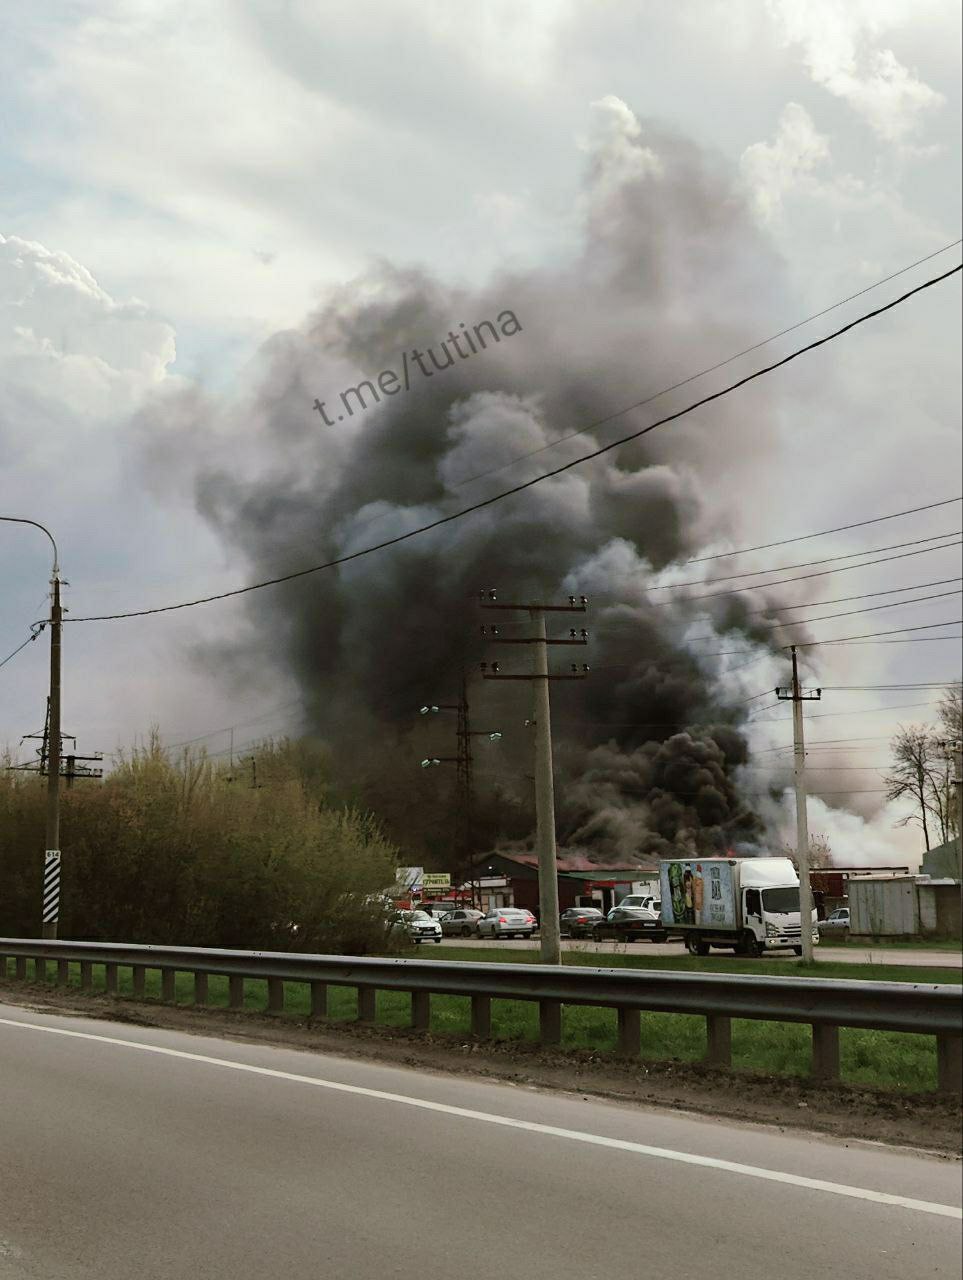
column 928, row 1121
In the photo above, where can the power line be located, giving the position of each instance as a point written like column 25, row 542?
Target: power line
column 39, row 627
column 848, row 613
column 528, row 484
column 780, row 582
column 805, row 564
column 872, row 635
column 803, row 537
column 812, row 604
column 600, row 422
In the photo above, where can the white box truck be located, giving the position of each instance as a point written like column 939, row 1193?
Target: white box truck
column 750, row 905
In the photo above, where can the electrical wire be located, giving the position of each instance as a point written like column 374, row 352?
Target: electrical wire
column 848, row 613
column 873, row 635
column 599, row 422
column 806, row 564
column 803, row 537
column 785, row 608
column 38, row 627
column 779, row 582
column 528, row 484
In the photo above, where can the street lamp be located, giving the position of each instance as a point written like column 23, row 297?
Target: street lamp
column 51, row 878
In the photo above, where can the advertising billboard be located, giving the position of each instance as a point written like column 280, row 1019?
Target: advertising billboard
column 698, row 892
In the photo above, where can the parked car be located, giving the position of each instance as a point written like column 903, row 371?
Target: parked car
column 630, row 924
column 507, row 922
column 461, row 923
column 419, row 926
column 836, row 922
column 578, row 922
column 648, row 900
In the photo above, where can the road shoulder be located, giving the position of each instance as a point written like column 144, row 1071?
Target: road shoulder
column 926, row 1122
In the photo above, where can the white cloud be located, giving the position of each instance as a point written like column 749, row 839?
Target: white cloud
column 773, row 168
column 63, row 336
column 839, row 45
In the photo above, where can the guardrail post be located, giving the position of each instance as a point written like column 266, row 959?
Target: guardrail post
column 20, row 968
column 718, row 1040
column 275, row 1002
column 319, row 999
column 40, row 969
column 481, row 1017
column 949, row 1064
column 3, row 968
column 367, row 998
column 139, row 974
column 421, row 1010
column 825, row 1051
column 235, row 986
column 63, row 973
column 200, row 987
column 86, row 975
column 168, row 986
column 630, row 1032
column 110, row 979
column 550, row 1021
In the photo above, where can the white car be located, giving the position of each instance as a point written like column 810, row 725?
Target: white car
column 642, row 902
column 507, row 922
column 420, row 926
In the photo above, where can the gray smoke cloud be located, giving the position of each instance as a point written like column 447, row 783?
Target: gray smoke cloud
column 671, row 273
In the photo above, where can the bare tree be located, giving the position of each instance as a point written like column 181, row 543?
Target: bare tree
column 820, row 852
column 919, row 771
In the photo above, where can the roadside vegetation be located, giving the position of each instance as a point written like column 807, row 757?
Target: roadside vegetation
column 181, row 851
column 877, row 1059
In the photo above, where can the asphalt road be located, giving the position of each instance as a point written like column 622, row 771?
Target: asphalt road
column 843, row 955
column 135, row 1153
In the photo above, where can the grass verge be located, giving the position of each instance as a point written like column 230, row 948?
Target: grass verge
column 887, row 1060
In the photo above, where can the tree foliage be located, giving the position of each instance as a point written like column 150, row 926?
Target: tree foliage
column 185, row 852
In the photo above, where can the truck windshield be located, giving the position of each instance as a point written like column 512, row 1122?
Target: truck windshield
column 781, row 900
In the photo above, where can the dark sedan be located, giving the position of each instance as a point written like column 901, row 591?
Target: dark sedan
column 578, row 922
column 630, row 924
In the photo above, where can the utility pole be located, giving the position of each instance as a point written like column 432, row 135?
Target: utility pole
column 50, row 913
column 954, row 753
column 463, row 763
column 548, row 925
column 797, row 697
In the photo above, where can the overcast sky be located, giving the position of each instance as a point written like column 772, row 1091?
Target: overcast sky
column 181, row 183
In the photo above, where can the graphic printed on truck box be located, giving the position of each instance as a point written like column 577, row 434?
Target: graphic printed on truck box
column 698, row 893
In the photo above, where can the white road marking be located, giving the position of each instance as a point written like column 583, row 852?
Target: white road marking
column 529, row 1126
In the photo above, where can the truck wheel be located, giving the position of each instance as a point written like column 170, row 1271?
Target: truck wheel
column 750, row 945
column 797, row 951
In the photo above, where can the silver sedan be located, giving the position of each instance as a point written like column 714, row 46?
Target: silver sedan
column 507, row 922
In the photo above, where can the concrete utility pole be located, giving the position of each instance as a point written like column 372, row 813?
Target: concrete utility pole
column 50, row 914
column 548, row 924
column 954, row 752
column 797, row 697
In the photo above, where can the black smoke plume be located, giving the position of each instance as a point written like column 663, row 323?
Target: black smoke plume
column 670, row 275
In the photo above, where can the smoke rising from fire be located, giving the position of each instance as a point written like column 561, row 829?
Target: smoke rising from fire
column 672, row 272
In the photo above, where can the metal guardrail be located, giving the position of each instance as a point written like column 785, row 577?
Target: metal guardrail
column 825, row 1004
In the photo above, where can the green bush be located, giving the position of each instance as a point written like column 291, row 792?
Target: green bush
column 181, row 853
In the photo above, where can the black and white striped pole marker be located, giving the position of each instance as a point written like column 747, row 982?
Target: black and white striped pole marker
column 51, row 886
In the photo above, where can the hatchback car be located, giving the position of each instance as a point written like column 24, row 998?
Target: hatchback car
column 419, row 926
column 836, row 922
column 578, row 922
column 507, row 922
column 460, row 923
